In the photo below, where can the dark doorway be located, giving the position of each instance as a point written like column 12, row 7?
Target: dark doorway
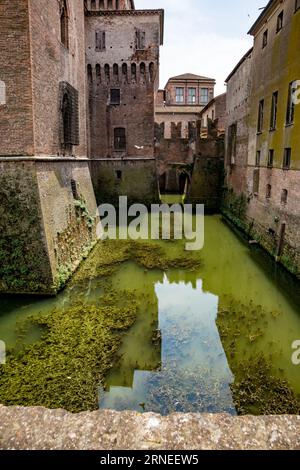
column 162, row 183
column 182, row 182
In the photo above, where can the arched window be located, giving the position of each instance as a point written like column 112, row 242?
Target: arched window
column 116, row 71
column 151, row 71
column 64, row 24
column 98, row 73
column 120, row 138
column 133, row 72
column 2, row 93
column 90, row 73
column 125, row 72
column 107, row 72
column 142, row 69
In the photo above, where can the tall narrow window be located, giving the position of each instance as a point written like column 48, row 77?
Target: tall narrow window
column 64, row 24
column 90, row 73
column 101, row 4
column 265, row 38
column 204, row 96
column 274, row 105
column 256, row 182
column 120, row 138
column 284, row 196
column 125, row 72
column 192, row 95
column 291, row 103
column 140, row 39
column 258, row 157
column 268, row 191
column 116, row 72
column 115, row 96
column 151, row 71
column 133, row 72
column 287, row 157
column 271, row 158
column 110, row 5
column 279, row 22
column 69, row 114
column 260, row 120
column 107, row 72
column 100, row 39
column 179, row 95
column 232, row 132
column 143, row 69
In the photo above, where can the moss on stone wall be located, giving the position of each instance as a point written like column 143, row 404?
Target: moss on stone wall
column 24, row 263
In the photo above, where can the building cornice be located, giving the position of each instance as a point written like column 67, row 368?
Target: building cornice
column 263, row 16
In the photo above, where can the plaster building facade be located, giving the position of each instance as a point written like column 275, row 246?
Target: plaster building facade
column 214, row 115
column 267, row 199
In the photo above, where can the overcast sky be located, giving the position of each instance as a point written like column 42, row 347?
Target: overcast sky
column 204, row 37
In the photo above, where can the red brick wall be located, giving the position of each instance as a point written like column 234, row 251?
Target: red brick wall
column 52, row 63
column 16, row 124
column 136, row 110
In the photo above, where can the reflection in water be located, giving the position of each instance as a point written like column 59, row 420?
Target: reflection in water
column 194, row 372
column 174, row 358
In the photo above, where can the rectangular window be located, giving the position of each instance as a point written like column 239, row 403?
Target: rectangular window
column 179, row 95
column 204, row 96
column 257, row 159
column 274, row 105
column 284, row 196
column 100, row 41
column 265, row 38
column 140, row 39
column 279, row 22
column 115, row 96
column 268, row 191
column 271, row 158
column 69, row 129
column 291, row 103
column 74, row 189
column 260, row 116
column 232, row 132
column 287, row 157
column 192, row 95
column 120, row 138
column 255, row 182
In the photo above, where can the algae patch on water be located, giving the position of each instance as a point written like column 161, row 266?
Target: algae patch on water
column 109, row 254
column 77, row 349
column 258, row 388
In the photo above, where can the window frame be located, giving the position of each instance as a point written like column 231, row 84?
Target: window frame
column 274, row 111
column 179, row 95
column 112, row 101
column 192, row 101
column 280, row 18
column 260, row 120
column 202, row 102
column 117, row 147
column 287, row 158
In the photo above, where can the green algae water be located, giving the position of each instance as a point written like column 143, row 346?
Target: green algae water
column 210, row 331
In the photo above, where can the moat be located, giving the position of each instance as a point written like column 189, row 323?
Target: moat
column 212, row 334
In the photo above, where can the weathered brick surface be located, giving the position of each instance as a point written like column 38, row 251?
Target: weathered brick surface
column 16, row 116
column 135, row 112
